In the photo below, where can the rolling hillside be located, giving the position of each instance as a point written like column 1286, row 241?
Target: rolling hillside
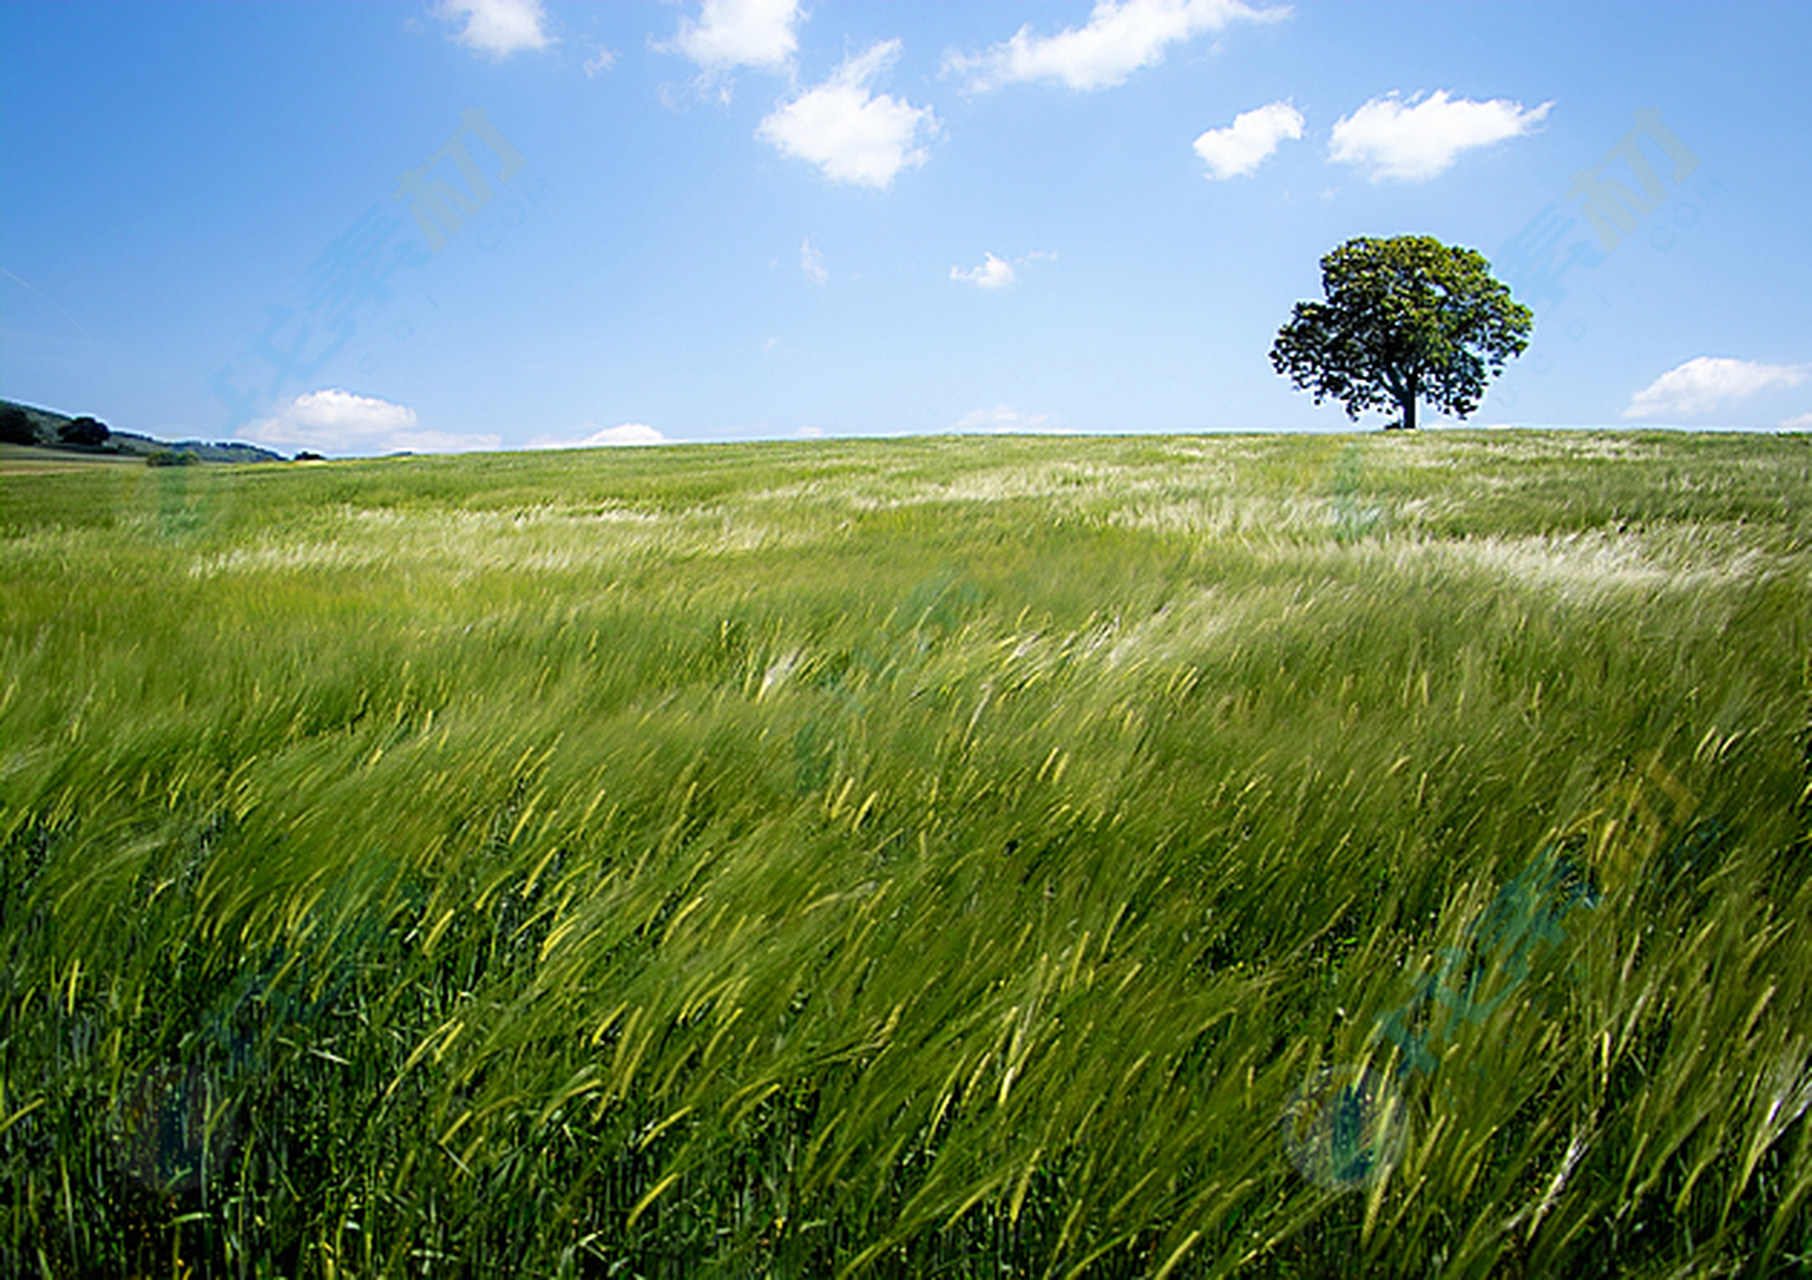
column 1272, row 856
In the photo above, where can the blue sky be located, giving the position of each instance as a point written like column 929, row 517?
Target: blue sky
column 364, row 227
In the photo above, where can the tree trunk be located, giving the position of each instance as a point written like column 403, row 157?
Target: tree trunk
column 1409, row 402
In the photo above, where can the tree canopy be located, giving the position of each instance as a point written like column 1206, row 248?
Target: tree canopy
column 1406, row 319
column 16, row 426
column 84, row 431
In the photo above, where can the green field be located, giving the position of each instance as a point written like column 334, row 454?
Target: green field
column 1273, row 856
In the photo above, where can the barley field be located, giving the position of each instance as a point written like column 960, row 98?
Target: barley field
column 1259, row 856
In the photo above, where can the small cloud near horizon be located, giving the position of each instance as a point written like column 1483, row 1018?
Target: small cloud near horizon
column 1416, row 141
column 1707, row 384
column 334, row 421
column 627, row 434
column 497, row 28
column 1004, row 419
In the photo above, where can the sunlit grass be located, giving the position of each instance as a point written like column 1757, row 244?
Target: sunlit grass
column 934, row 857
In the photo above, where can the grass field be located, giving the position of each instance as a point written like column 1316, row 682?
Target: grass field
column 1273, row 856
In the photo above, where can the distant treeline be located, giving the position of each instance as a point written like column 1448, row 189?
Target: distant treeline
column 46, row 428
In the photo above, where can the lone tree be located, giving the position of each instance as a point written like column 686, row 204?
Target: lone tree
column 1406, row 319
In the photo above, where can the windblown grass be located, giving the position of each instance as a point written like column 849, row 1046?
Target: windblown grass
column 945, row 857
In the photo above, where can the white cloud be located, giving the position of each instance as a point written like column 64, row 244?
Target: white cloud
column 852, row 134
column 336, row 421
column 809, row 433
column 1003, row 419
column 740, row 33
column 1121, row 36
column 1799, row 422
column 1249, row 141
column 441, row 442
column 1709, row 383
column 497, row 27
column 995, row 273
column 629, row 433
column 812, row 263
column 603, row 60
column 1414, row 142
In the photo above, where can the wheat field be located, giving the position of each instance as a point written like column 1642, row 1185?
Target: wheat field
column 1146, row 856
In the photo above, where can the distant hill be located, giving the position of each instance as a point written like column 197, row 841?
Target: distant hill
column 46, row 425
column 224, row 451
